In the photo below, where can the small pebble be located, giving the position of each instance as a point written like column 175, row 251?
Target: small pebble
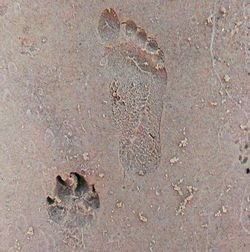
column 85, row 156
column 224, row 210
column 30, row 231
column 44, row 40
column 101, row 175
column 142, row 218
column 223, row 11
column 226, row 78
column 141, row 173
column 209, row 20
column 183, row 143
column 119, row 204
column 174, row 160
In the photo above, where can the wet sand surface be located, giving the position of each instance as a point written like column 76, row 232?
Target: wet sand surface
column 118, row 141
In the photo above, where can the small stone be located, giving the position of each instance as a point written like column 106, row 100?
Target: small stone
column 142, row 217
column 214, row 104
column 228, row 188
column 141, row 173
column 70, row 134
column 218, row 214
column 192, row 189
column 209, row 20
column 57, row 199
column 85, row 156
column 223, row 11
column 119, row 204
column 243, row 127
column 30, row 231
column 224, row 210
column 177, row 188
column 183, row 143
column 157, row 193
column 187, row 199
column 239, row 24
column 174, row 160
column 108, row 46
column 44, row 40
column 226, row 78
column 101, row 175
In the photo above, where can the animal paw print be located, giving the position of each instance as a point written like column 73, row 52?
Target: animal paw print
column 74, row 204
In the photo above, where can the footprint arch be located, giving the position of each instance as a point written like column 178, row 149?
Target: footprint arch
column 138, row 79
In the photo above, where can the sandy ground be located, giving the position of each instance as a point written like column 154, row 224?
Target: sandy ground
column 56, row 118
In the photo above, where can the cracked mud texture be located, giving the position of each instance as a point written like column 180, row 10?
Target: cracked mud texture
column 60, row 111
